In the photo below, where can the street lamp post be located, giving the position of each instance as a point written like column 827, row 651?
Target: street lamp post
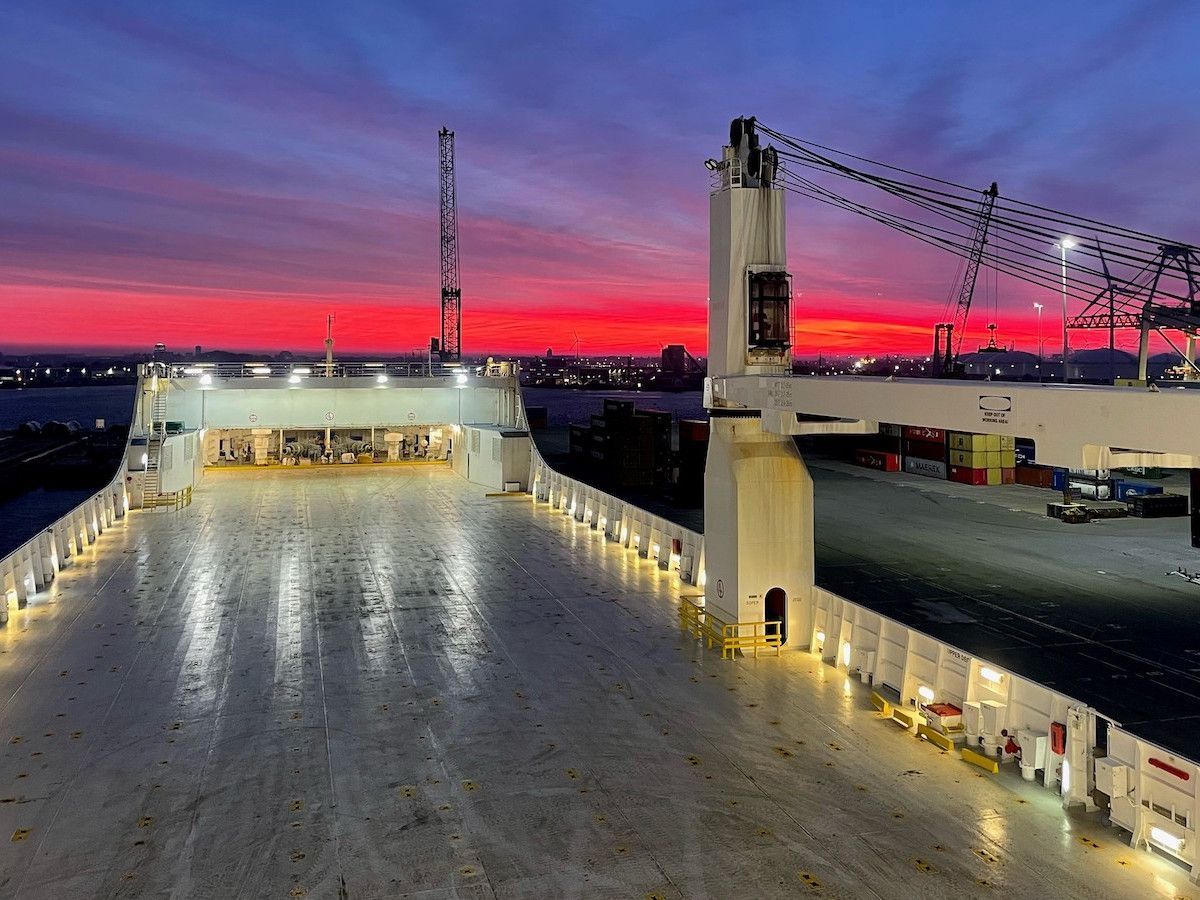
column 1038, row 307
column 1064, row 245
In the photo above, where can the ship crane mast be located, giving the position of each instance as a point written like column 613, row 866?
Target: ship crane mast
column 450, row 350
column 945, row 362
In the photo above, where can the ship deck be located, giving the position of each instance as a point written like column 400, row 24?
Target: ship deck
column 381, row 683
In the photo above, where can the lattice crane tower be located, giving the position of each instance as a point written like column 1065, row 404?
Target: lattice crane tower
column 451, row 346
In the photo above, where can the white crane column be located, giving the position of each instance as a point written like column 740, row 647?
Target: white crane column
column 758, row 509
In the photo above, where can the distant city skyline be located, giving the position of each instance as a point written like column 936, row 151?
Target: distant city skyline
column 222, row 175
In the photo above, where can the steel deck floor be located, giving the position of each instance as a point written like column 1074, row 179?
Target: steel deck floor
column 367, row 683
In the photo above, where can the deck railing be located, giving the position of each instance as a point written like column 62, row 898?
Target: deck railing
column 748, row 637
column 37, row 562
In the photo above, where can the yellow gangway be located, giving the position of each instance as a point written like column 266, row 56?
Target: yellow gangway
column 749, row 637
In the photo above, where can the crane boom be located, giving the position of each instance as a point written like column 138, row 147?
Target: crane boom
column 450, row 349
column 956, row 329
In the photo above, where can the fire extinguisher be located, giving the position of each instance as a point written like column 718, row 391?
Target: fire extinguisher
column 1058, row 738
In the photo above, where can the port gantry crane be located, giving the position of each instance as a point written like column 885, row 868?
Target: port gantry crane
column 450, row 350
column 945, row 362
column 1142, row 303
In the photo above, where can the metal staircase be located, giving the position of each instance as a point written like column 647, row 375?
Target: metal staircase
column 151, row 492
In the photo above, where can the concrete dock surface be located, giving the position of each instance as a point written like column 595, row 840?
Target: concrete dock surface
column 381, row 683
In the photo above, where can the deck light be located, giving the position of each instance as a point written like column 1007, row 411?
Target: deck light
column 846, row 653
column 192, row 370
column 990, row 675
column 302, row 370
column 382, row 379
column 205, row 380
column 461, row 379
column 1166, row 840
column 820, row 637
column 261, row 370
column 293, row 378
column 925, row 693
column 1066, row 777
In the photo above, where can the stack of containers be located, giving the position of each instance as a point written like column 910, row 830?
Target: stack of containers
column 924, row 451
column 882, row 451
column 982, row 458
column 693, row 449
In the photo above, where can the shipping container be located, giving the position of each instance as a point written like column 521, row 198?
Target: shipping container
column 693, row 430
column 1158, row 506
column 921, row 433
column 959, row 440
column 1008, row 442
column 876, row 459
column 965, row 475
column 1008, row 475
column 617, row 409
column 930, row 468
column 1036, row 476
column 889, row 430
column 1124, row 490
column 1091, row 490
column 980, row 459
column 993, row 477
column 974, row 443
column 925, row 450
column 580, row 439
column 1058, row 480
column 1008, row 459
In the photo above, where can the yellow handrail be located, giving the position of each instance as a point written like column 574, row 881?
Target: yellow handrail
column 730, row 636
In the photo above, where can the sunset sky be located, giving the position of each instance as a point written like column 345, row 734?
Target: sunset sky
column 225, row 174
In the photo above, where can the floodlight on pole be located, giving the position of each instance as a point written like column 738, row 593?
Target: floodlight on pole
column 1038, row 307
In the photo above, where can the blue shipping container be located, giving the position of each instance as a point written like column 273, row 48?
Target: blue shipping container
column 1125, row 489
column 1058, row 480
